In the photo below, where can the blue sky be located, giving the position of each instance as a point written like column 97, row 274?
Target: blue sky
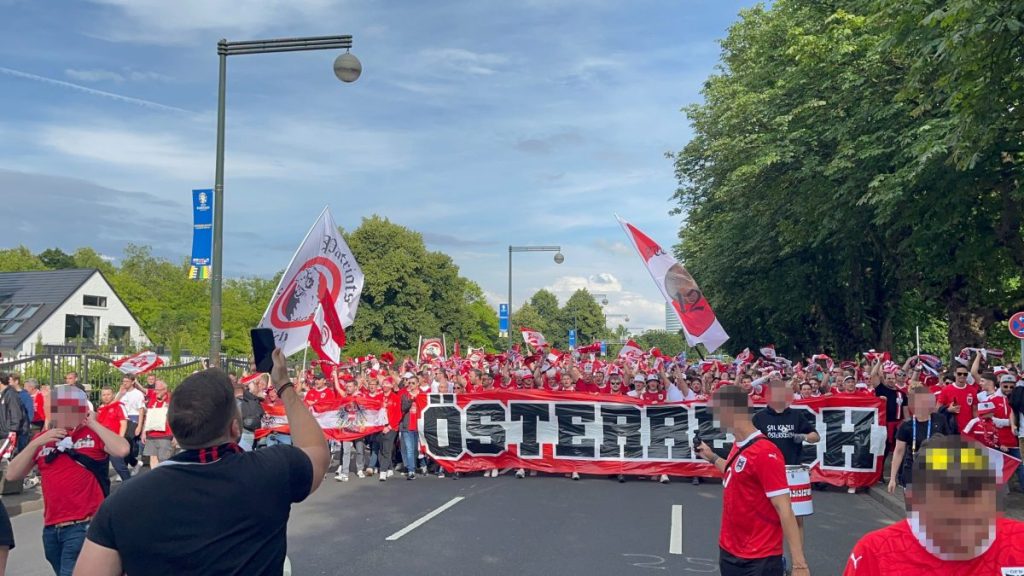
column 478, row 124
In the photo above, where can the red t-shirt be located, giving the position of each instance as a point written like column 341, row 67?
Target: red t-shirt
column 315, row 398
column 38, row 410
column 654, row 397
column 111, row 416
column 154, row 403
column 966, row 397
column 1006, row 435
column 72, row 492
column 897, row 551
column 750, row 525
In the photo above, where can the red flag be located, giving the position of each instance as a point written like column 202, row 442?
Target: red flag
column 768, row 351
column 326, row 334
column 456, row 353
column 680, row 290
column 591, row 349
column 534, row 338
column 138, row 363
column 631, row 351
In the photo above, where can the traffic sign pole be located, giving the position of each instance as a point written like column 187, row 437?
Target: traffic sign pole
column 1016, row 326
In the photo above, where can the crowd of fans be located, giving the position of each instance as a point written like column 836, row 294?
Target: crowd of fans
column 973, row 397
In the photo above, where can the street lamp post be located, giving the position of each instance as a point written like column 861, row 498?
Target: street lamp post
column 346, row 67
column 558, row 260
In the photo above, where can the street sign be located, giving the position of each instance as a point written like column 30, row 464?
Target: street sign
column 503, row 318
column 1017, row 325
column 572, row 338
column 604, row 348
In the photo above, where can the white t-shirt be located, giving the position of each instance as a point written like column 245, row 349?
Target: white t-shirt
column 133, row 401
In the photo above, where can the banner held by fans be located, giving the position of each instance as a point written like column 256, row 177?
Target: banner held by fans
column 431, row 348
column 322, row 262
column 138, row 363
column 680, row 290
column 572, row 432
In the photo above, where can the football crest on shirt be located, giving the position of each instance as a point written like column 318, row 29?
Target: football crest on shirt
column 970, row 400
column 741, row 463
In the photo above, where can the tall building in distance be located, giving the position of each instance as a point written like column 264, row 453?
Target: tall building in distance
column 672, row 323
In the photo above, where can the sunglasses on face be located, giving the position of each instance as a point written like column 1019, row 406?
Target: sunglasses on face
column 960, row 374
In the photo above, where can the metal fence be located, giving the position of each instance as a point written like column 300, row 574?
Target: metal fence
column 95, row 371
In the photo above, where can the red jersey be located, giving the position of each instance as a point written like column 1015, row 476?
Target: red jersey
column 966, row 398
column 38, row 410
column 393, row 408
column 165, row 403
column 1006, row 436
column 897, row 551
column 983, row 430
column 72, row 492
column 654, row 397
column 111, row 416
column 750, row 525
column 316, row 398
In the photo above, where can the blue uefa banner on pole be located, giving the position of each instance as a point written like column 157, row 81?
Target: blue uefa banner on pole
column 202, row 234
column 503, row 317
column 572, row 338
column 604, row 348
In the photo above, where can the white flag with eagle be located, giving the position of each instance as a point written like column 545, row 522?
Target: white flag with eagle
column 323, row 263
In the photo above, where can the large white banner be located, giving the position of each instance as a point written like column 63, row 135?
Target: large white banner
column 322, row 263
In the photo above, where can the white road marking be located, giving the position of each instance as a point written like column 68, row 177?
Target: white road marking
column 675, row 539
column 425, row 519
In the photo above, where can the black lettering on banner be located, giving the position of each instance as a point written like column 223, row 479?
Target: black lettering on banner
column 529, row 414
column 621, row 431
column 485, row 439
column 848, row 450
column 670, row 432
column 436, row 413
column 709, row 433
column 809, row 454
column 568, row 431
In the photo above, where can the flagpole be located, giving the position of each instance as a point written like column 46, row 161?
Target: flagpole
column 444, row 345
column 917, row 329
column 419, row 351
column 304, row 350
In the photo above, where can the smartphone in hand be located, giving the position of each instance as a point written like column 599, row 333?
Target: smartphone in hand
column 262, row 348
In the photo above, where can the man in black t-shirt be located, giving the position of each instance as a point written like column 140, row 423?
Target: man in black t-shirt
column 912, row 433
column 789, row 429
column 213, row 509
column 886, row 386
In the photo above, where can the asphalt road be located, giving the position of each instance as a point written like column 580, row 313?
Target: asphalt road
column 534, row 526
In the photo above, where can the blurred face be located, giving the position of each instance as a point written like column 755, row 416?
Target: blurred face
column 272, row 395
column 126, row 383
column 161, row 389
column 805, row 389
column 106, row 396
column 616, row 384
column 69, row 407
column 890, row 379
column 779, row 396
column 71, row 378
column 725, row 417
column 388, row 386
column 746, row 383
column 957, row 526
column 151, row 379
column 923, row 403
column 849, row 386
column 988, row 385
column 1006, row 388
column 961, row 377
column 320, row 383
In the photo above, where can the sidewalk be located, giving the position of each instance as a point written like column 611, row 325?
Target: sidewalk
column 28, row 501
column 1013, row 504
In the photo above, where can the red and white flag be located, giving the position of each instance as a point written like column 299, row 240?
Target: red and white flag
column 768, row 351
column 631, row 352
column 745, row 357
column 679, row 289
column 138, row 363
column 431, row 349
column 323, row 263
column 533, row 338
column 594, row 348
column 326, row 334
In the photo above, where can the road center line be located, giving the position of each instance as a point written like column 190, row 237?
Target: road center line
column 675, row 539
column 425, row 519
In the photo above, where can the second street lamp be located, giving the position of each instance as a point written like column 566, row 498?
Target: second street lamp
column 558, row 260
column 346, row 67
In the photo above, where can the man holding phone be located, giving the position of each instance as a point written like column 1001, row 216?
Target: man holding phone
column 207, row 523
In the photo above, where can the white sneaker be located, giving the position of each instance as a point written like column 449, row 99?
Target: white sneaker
column 440, row 473
column 391, row 473
column 383, row 476
column 117, row 479
column 423, row 470
column 360, row 474
column 494, row 473
column 663, row 479
column 575, row 476
column 341, row 477
column 520, row 473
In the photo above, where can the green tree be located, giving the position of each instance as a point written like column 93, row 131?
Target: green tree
column 670, row 343
column 19, row 259
column 56, row 259
column 525, row 317
column 583, row 312
column 89, row 258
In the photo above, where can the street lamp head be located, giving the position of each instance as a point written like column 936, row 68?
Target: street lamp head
column 604, row 301
column 559, row 258
column 347, row 67
column 627, row 319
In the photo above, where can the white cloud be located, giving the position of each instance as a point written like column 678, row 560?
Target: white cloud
column 180, row 22
column 460, row 60
column 94, row 75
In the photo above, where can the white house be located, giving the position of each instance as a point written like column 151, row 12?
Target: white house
column 61, row 307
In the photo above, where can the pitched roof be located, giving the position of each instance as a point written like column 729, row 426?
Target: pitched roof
column 31, row 297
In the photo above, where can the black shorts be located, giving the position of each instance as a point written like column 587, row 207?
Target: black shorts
column 730, row 565
column 6, row 531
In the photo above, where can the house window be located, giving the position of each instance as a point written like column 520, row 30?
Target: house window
column 12, row 312
column 118, row 333
column 80, row 327
column 11, row 327
column 96, row 301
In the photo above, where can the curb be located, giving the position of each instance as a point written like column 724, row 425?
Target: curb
column 18, row 508
column 893, row 504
